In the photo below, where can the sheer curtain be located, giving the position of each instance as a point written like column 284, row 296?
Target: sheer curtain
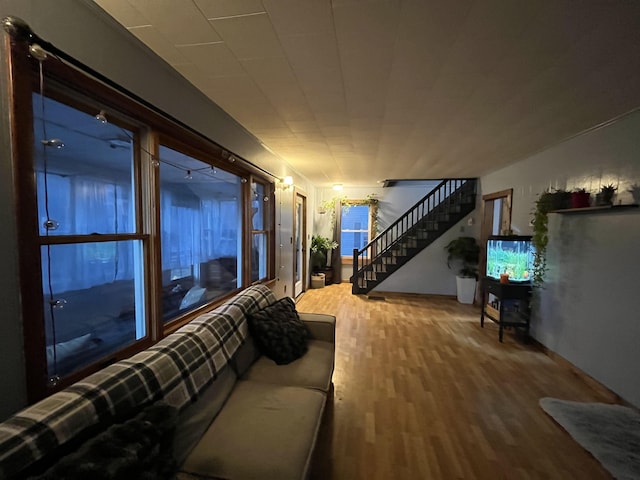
column 80, row 206
column 193, row 230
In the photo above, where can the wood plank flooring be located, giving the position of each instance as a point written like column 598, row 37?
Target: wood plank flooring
column 422, row 392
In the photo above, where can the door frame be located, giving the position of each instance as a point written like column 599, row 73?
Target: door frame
column 300, row 286
column 486, row 229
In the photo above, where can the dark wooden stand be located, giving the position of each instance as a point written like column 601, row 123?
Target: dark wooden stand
column 514, row 308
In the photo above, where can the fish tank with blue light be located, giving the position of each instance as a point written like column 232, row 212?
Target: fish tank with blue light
column 511, row 254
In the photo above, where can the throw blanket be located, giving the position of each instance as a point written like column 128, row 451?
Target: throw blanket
column 176, row 370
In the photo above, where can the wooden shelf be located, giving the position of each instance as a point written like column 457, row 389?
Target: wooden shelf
column 606, row 208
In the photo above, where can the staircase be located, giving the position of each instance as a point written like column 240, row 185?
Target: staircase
column 437, row 212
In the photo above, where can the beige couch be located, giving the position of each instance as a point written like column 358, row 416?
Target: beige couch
column 239, row 415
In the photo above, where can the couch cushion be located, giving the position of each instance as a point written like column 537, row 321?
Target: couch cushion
column 194, row 420
column 313, row 370
column 278, row 331
column 263, row 431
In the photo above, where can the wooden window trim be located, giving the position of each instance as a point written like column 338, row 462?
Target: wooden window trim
column 150, row 128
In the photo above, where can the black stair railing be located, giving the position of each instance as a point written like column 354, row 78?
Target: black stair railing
column 414, row 224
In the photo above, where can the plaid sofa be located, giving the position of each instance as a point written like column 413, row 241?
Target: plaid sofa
column 176, row 370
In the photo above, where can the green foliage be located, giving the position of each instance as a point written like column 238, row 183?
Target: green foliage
column 464, row 251
column 322, row 244
column 547, row 201
column 509, row 261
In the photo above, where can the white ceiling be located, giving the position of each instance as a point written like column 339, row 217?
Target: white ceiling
column 356, row 91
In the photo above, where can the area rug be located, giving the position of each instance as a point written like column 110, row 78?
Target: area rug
column 611, row 433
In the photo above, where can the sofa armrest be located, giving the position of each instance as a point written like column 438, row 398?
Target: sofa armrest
column 321, row 326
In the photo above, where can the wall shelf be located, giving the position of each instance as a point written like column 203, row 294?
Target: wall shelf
column 606, row 208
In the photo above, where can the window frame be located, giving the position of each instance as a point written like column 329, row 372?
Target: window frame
column 152, row 125
column 371, row 225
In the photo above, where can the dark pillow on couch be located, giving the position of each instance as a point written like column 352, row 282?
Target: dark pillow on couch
column 278, row 331
column 140, row 449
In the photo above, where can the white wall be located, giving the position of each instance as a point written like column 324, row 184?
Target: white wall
column 84, row 31
column 589, row 310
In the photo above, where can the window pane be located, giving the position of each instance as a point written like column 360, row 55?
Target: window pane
column 257, row 206
column 98, row 301
column 355, row 229
column 259, row 257
column 201, row 221
column 85, row 186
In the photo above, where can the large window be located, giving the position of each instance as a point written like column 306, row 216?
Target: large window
column 355, row 228
column 129, row 224
column 91, row 252
column 201, row 225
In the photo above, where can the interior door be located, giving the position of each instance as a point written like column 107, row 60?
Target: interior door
column 299, row 244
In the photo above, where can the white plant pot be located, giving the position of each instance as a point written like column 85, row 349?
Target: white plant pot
column 466, row 289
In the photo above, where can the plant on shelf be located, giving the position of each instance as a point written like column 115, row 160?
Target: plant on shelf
column 605, row 197
column 320, row 247
column 464, row 253
column 634, row 190
column 580, row 198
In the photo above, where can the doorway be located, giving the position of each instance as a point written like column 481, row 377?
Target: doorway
column 496, row 219
column 300, row 244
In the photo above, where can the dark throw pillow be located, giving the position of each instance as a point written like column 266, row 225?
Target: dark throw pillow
column 278, row 331
column 140, row 449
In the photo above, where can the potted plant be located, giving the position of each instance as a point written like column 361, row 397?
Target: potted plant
column 464, row 253
column 634, row 190
column 605, row 197
column 320, row 247
column 580, row 198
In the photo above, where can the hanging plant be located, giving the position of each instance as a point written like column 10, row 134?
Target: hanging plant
column 545, row 203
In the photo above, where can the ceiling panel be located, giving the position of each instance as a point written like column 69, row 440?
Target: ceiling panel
column 181, row 22
column 355, row 91
column 262, row 42
column 228, row 8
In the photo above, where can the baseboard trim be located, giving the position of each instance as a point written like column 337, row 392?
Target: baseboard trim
column 602, row 390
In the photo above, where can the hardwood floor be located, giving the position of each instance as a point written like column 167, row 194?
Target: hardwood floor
column 422, row 392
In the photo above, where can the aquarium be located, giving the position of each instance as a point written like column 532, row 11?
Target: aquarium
column 512, row 255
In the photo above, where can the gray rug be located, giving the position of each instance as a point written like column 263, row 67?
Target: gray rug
column 611, row 433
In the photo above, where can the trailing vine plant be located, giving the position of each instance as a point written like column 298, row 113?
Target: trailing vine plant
column 547, row 202
column 330, row 206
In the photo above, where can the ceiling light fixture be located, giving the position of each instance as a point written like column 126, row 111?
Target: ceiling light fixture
column 188, row 176
column 337, row 187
